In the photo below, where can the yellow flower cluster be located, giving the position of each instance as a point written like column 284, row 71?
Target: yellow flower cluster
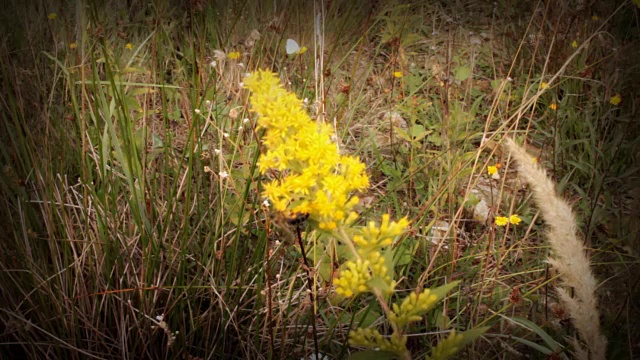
column 503, row 220
column 353, row 280
column 370, row 243
column 413, row 307
column 372, row 339
column 317, row 180
column 374, row 238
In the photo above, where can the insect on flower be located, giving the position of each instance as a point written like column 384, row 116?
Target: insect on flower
column 297, row 219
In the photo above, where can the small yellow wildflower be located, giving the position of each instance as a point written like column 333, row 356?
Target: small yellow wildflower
column 515, row 219
column 544, row 85
column 534, row 160
column 129, row 46
column 52, row 16
column 502, row 220
column 397, row 74
column 595, row 17
column 615, row 100
column 492, row 169
column 234, row 55
column 553, row 106
column 574, row 44
column 72, row 46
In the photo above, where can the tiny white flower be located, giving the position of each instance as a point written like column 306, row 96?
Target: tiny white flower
column 305, row 101
column 197, row 111
column 239, row 128
column 241, row 65
column 246, row 120
column 160, row 317
column 223, row 174
column 213, row 63
column 241, row 84
column 509, row 79
column 207, row 103
column 217, row 151
column 265, row 203
column 225, row 135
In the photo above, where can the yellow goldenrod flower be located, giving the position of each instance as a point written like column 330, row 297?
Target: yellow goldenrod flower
column 72, row 46
column 515, row 219
column 52, row 16
column 553, row 106
column 615, row 100
column 129, row 46
column 544, row 85
column 492, row 169
column 234, row 55
column 501, row 220
column 319, row 180
column 574, row 44
column 397, row 74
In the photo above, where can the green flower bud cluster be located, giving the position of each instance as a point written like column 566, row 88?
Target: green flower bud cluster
column 413, row 307
column 372, row 339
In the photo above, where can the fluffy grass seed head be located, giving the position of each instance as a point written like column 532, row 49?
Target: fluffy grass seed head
column 318, row 180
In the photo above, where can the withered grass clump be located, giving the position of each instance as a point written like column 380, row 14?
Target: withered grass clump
column 568, row 256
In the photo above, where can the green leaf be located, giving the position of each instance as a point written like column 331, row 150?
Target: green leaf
column 462, row 73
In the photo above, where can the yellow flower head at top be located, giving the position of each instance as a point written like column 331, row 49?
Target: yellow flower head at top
column 52, row 16
column 317, row 180
column 129, row 46
column 574, row 44
column 503, row 220
column 553, row 106
column 615, row 100
column 397, row 74
column 492, row 169
column 234, row 55
column 515, row 219
column 544, row 85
